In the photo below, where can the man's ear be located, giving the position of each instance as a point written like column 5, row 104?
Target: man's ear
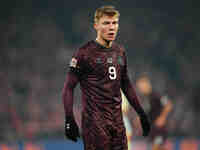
column 95, row 25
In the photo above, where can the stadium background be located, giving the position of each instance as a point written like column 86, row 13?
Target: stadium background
column 37, row 39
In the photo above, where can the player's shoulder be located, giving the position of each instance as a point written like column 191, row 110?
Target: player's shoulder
column 84, row 48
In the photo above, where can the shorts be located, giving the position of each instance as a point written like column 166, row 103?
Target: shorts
column 158, row 135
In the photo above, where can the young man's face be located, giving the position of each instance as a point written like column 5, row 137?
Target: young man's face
column 107, row 27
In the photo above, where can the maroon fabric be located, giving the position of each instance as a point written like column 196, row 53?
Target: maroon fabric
column 103, row 134
column 157, row 132
column 101, row 72
column 67, row 93
column 155, row 111
column 156, row 106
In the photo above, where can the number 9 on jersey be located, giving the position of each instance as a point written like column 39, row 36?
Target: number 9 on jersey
column 112, row 72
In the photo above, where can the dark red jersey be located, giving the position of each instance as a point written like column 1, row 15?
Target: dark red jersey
column 101, row 73
column 157, row 104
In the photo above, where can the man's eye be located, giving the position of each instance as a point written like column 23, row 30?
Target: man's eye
column 105, row 23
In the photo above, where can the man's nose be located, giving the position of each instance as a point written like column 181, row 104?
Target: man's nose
column 112, row 27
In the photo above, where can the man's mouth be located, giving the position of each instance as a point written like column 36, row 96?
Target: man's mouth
column 111, row 34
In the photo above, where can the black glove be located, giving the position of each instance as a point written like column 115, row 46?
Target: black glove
column 145, row 124
column 71, row 129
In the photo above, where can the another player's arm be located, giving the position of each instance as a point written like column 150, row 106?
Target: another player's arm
column 133, row 99
column 162, row 118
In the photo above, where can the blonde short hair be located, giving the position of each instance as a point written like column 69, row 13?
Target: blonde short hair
column 105, row 10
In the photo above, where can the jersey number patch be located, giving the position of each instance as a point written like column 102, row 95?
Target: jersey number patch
column 112, row 72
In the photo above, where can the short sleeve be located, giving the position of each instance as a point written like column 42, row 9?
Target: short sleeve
column 164, row 100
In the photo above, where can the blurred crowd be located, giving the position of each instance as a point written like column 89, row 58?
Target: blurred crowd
column 34, row 57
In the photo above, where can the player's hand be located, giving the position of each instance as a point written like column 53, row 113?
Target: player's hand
column 145, row 125
column 160, row 122
column 71, row 129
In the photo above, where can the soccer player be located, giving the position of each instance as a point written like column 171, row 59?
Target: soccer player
column 100, row 66
column 158, row 111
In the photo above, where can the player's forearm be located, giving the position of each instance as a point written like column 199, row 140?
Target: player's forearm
column 67, row 93
column 166, row 110
column 162, row 118
column 131, row 95
column 164, row 113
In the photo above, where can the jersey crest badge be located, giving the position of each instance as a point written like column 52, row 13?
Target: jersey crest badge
column 120, row 60
column 73, row 62
column 109, row 60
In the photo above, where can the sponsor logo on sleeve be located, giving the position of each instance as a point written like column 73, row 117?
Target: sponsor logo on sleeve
column 73, row 62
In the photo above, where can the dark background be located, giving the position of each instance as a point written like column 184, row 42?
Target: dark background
column 38, row 38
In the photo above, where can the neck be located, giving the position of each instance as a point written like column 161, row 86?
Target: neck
column 104, row 43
